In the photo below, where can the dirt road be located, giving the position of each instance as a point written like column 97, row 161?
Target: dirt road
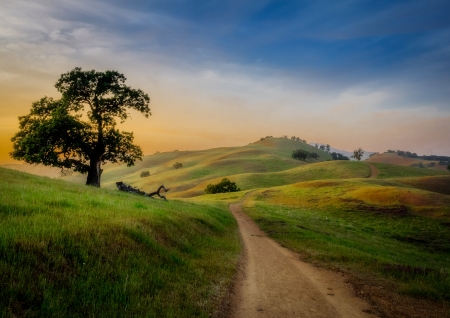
column 273, row 282
column 373, row 171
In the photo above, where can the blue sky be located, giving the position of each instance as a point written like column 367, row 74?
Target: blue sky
column 320, row 70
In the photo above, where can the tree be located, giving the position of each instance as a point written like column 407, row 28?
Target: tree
column 357, row 154
column 300, row 154
column 313, row 155
column 78, row 131
column 177, row 165
column 328, row 148
column 339, row 156
column 145, row 174
column 222, row 187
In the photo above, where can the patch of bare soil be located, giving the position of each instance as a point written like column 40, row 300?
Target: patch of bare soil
column 273, row 282
column 373, row 171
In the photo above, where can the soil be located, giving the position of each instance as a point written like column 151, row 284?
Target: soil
column 373, row 171
column 273, row 282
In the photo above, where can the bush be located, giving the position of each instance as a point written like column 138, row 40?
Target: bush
column 177, row 165
column 145, row 174
column 222, row 187
column 339, row 156
column 302, row 155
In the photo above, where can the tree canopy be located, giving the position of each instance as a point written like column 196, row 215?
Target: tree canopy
column 222, row 187
column 357, row 154
column 79, row 131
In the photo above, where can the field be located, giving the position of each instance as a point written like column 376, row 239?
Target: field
column 71, row 250
column 388, row 232
column 395, row 159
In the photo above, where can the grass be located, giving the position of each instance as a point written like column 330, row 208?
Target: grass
column 356, row 227
column 71, row 250
column 386, row 170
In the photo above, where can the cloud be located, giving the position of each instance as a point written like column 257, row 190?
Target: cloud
column 203, row 95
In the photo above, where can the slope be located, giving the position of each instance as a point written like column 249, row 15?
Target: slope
column 270, row 155
column 67, row 249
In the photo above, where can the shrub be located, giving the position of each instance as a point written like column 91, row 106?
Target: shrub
column 177, row 165
column 145, row 174
column 222, row 187
column 303, row 155
column 300, row 154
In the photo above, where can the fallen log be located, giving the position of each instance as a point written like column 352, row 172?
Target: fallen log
column 127, row 188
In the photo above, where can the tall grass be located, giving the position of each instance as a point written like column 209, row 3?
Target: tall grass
column 71, row 250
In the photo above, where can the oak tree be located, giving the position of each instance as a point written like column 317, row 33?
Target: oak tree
column 78, row 131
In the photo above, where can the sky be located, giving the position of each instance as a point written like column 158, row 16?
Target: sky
column 351, row 73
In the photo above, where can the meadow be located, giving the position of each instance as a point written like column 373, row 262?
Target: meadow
column 70, row 249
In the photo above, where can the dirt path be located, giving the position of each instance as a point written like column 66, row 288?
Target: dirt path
column 373, row 171
column 273, row 282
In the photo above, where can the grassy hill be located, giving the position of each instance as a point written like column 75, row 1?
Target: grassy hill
column 395, row 159
column 101, row 252
column 204, row 167
column 68, row 249
column 391, row 240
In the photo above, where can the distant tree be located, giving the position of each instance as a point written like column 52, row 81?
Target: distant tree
column 145, row 174
column 322, row 147
column 262, row 139
column 177, row 165
column 431, row 164
column 223, row 186
column 357, row 154
column 328, row 148
column 300, row 154
column 79, row 131
column 313, row 155
column 316, row 145
column 420, row 165
column 339, row 156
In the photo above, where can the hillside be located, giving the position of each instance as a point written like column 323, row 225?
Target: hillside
column 72, row 250
column 200, row 167
column 395, row 159
column 382, row 224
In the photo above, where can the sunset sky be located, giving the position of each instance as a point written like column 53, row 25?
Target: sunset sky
column 370, row 74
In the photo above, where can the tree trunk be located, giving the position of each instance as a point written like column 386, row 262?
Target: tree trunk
column 94, row 173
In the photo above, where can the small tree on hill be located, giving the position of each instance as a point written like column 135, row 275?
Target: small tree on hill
column 145, row 174
column 177, row 165
column 313, row 155
column 357, row 154
column 222, row 187
column 57, row 133
column 328, row 148
column 300, row 154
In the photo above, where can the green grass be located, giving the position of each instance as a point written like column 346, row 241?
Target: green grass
column 356, row 227
column 386, row 170
column 71, row 250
